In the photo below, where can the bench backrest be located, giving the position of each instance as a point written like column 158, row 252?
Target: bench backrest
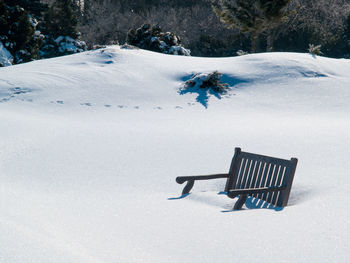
column 250, row 170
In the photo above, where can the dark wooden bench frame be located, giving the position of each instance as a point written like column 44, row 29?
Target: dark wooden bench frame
column 267, row 178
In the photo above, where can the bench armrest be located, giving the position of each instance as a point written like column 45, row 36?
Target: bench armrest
column 191, row 179
column 243, row 193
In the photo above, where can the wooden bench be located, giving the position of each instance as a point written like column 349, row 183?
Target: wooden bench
column 266, row 178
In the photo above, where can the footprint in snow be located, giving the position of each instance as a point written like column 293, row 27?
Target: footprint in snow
column 178, row 107
column 59, row 101
column 108, row 105
column 19, row 90
column 121, row 106
column 86, row 104
column 4, row 100
column 137, row 107
column 229, row 95
column 157, row 108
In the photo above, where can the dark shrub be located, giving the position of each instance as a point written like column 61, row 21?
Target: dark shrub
column 207, row 81
column 152, row 38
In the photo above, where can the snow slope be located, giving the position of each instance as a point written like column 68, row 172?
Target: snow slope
column 91, row 145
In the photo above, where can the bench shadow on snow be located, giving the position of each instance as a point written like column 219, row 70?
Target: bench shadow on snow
column 298, row 195
column 251, row 203
column 205, row 93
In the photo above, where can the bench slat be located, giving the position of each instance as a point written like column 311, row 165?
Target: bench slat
column 268, row 159
column 255, row 175
column 241, row 173
column 246, row 174
column 250, row 175
column 261, row 176
column 268, row 180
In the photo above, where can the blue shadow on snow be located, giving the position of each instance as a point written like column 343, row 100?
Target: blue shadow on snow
column 205, row 93
column 251, row 203
column 255, row 203
column 179, row 197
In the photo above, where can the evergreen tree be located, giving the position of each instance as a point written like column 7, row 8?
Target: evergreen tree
column 252, row 16
column 61, row 19
column 60, row 29
column 274, row 13
column 4, row 14
column 152, row 38
column 34, row 7
column 347, row 29
column 18, row 32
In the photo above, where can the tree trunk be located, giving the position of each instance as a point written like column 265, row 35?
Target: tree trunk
column 253, row 39
column 269, row 40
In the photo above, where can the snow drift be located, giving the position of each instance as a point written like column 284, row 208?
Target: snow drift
column 91, row 144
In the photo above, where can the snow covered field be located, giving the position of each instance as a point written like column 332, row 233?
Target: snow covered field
column 91, row 145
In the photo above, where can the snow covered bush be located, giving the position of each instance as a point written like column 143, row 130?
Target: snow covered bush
column 315, row 50
column 241, row 53
column 152, row 38
column 207, row 81
column 6, row 58
column 127, row 46
column 69, row 45
column 205, row 85
column 63, row 45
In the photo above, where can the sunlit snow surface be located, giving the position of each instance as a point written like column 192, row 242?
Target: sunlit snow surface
column 91, row 145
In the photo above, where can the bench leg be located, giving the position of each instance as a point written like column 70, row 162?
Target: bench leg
column 240, row 202
column 188, row 187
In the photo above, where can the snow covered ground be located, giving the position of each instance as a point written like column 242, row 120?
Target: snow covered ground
column 91, row 145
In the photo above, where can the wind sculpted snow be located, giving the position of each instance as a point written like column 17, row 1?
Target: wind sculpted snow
column 91, row 145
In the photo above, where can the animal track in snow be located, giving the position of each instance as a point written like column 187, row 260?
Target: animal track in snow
column 19, row 90
column 13, row 92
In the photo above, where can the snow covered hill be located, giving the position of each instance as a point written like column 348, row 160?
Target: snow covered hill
column 91, row 145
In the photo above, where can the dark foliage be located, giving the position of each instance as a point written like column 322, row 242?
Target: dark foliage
column 291, row 28
column 219, row 47
column 34, row 7
column 60, row 29
column 18, row 31
column 253, row 16
column 61, row 19
column 152, row 38
column 207, row 81
column 282, row 27
column 205, row 85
